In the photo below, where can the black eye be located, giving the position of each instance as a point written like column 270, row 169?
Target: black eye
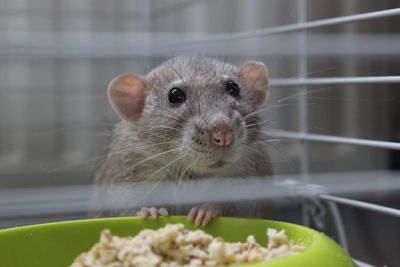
column 176, row 95
column 232, row 88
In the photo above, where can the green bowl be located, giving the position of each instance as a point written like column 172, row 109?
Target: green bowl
column 57, row 244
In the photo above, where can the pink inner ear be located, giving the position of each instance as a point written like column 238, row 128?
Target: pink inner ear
column 254, row 76
column 127, row 95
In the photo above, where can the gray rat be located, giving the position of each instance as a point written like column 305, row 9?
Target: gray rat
column 189, row 118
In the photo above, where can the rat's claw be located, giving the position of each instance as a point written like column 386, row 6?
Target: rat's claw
column 163, row 212
column 199, row 217
column 152, row 212
column 143, row 212
column 202, row 215
column 192, row 214
column 208, row 216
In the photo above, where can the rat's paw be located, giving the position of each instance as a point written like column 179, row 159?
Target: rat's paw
column 152, row 212
column 202, row 215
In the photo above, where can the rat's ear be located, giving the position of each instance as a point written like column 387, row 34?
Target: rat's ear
column 127, row 94
column 254, row 76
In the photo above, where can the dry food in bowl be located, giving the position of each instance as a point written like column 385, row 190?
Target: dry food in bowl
column 173, row 246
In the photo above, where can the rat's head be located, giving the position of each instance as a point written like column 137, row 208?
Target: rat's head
column 203, row 111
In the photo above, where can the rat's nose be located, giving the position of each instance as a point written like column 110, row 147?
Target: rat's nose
column 222, row 135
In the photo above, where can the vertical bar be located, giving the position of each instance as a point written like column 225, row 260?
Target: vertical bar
column 347, row 115
column 76, row 105
column 144, row 23
column 14, row 102
column 303, row 110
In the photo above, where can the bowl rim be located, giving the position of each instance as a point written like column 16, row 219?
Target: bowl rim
column 315, row 237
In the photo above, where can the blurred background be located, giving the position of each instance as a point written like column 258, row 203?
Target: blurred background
column 57, row 58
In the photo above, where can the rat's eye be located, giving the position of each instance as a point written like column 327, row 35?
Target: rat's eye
column 176, row 95
column 232, row 88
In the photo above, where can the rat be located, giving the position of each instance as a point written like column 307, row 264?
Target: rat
column 189, row 118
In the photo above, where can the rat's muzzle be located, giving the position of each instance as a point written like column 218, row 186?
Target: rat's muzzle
column 221, row 135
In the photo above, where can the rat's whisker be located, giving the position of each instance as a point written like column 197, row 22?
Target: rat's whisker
column 164, row 167
column 309, row 73
column 177, row 72
column 89, row 160
column 248, row 126
column 169, row 127
column 251, row 148
column 132, row 166
column 191, row 167
column 191, row 111
column 260, row 152
column 281, row 154
column 186, row 169
column 251, row 114
column 147, row 179
column 308, row 92
column 180, row 76
column 272, row 140
column 154, row 156
column 269, row 107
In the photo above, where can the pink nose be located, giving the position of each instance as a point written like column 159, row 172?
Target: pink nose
column 222, row 135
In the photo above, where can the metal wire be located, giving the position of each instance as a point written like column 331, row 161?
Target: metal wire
column 76, row 199
column 335, row 81
column 304, row 26
column 318, row 23
column 333, row 139
column 144, row 44
column 303, row 107
column 362, row 264
column 363, row 205
column 339, row 225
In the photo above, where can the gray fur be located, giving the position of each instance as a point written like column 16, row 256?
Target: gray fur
column 162, row 127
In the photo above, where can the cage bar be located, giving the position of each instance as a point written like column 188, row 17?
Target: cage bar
column 362, row 204
column 333, row 139
column 335, row 81
column 304, row 25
